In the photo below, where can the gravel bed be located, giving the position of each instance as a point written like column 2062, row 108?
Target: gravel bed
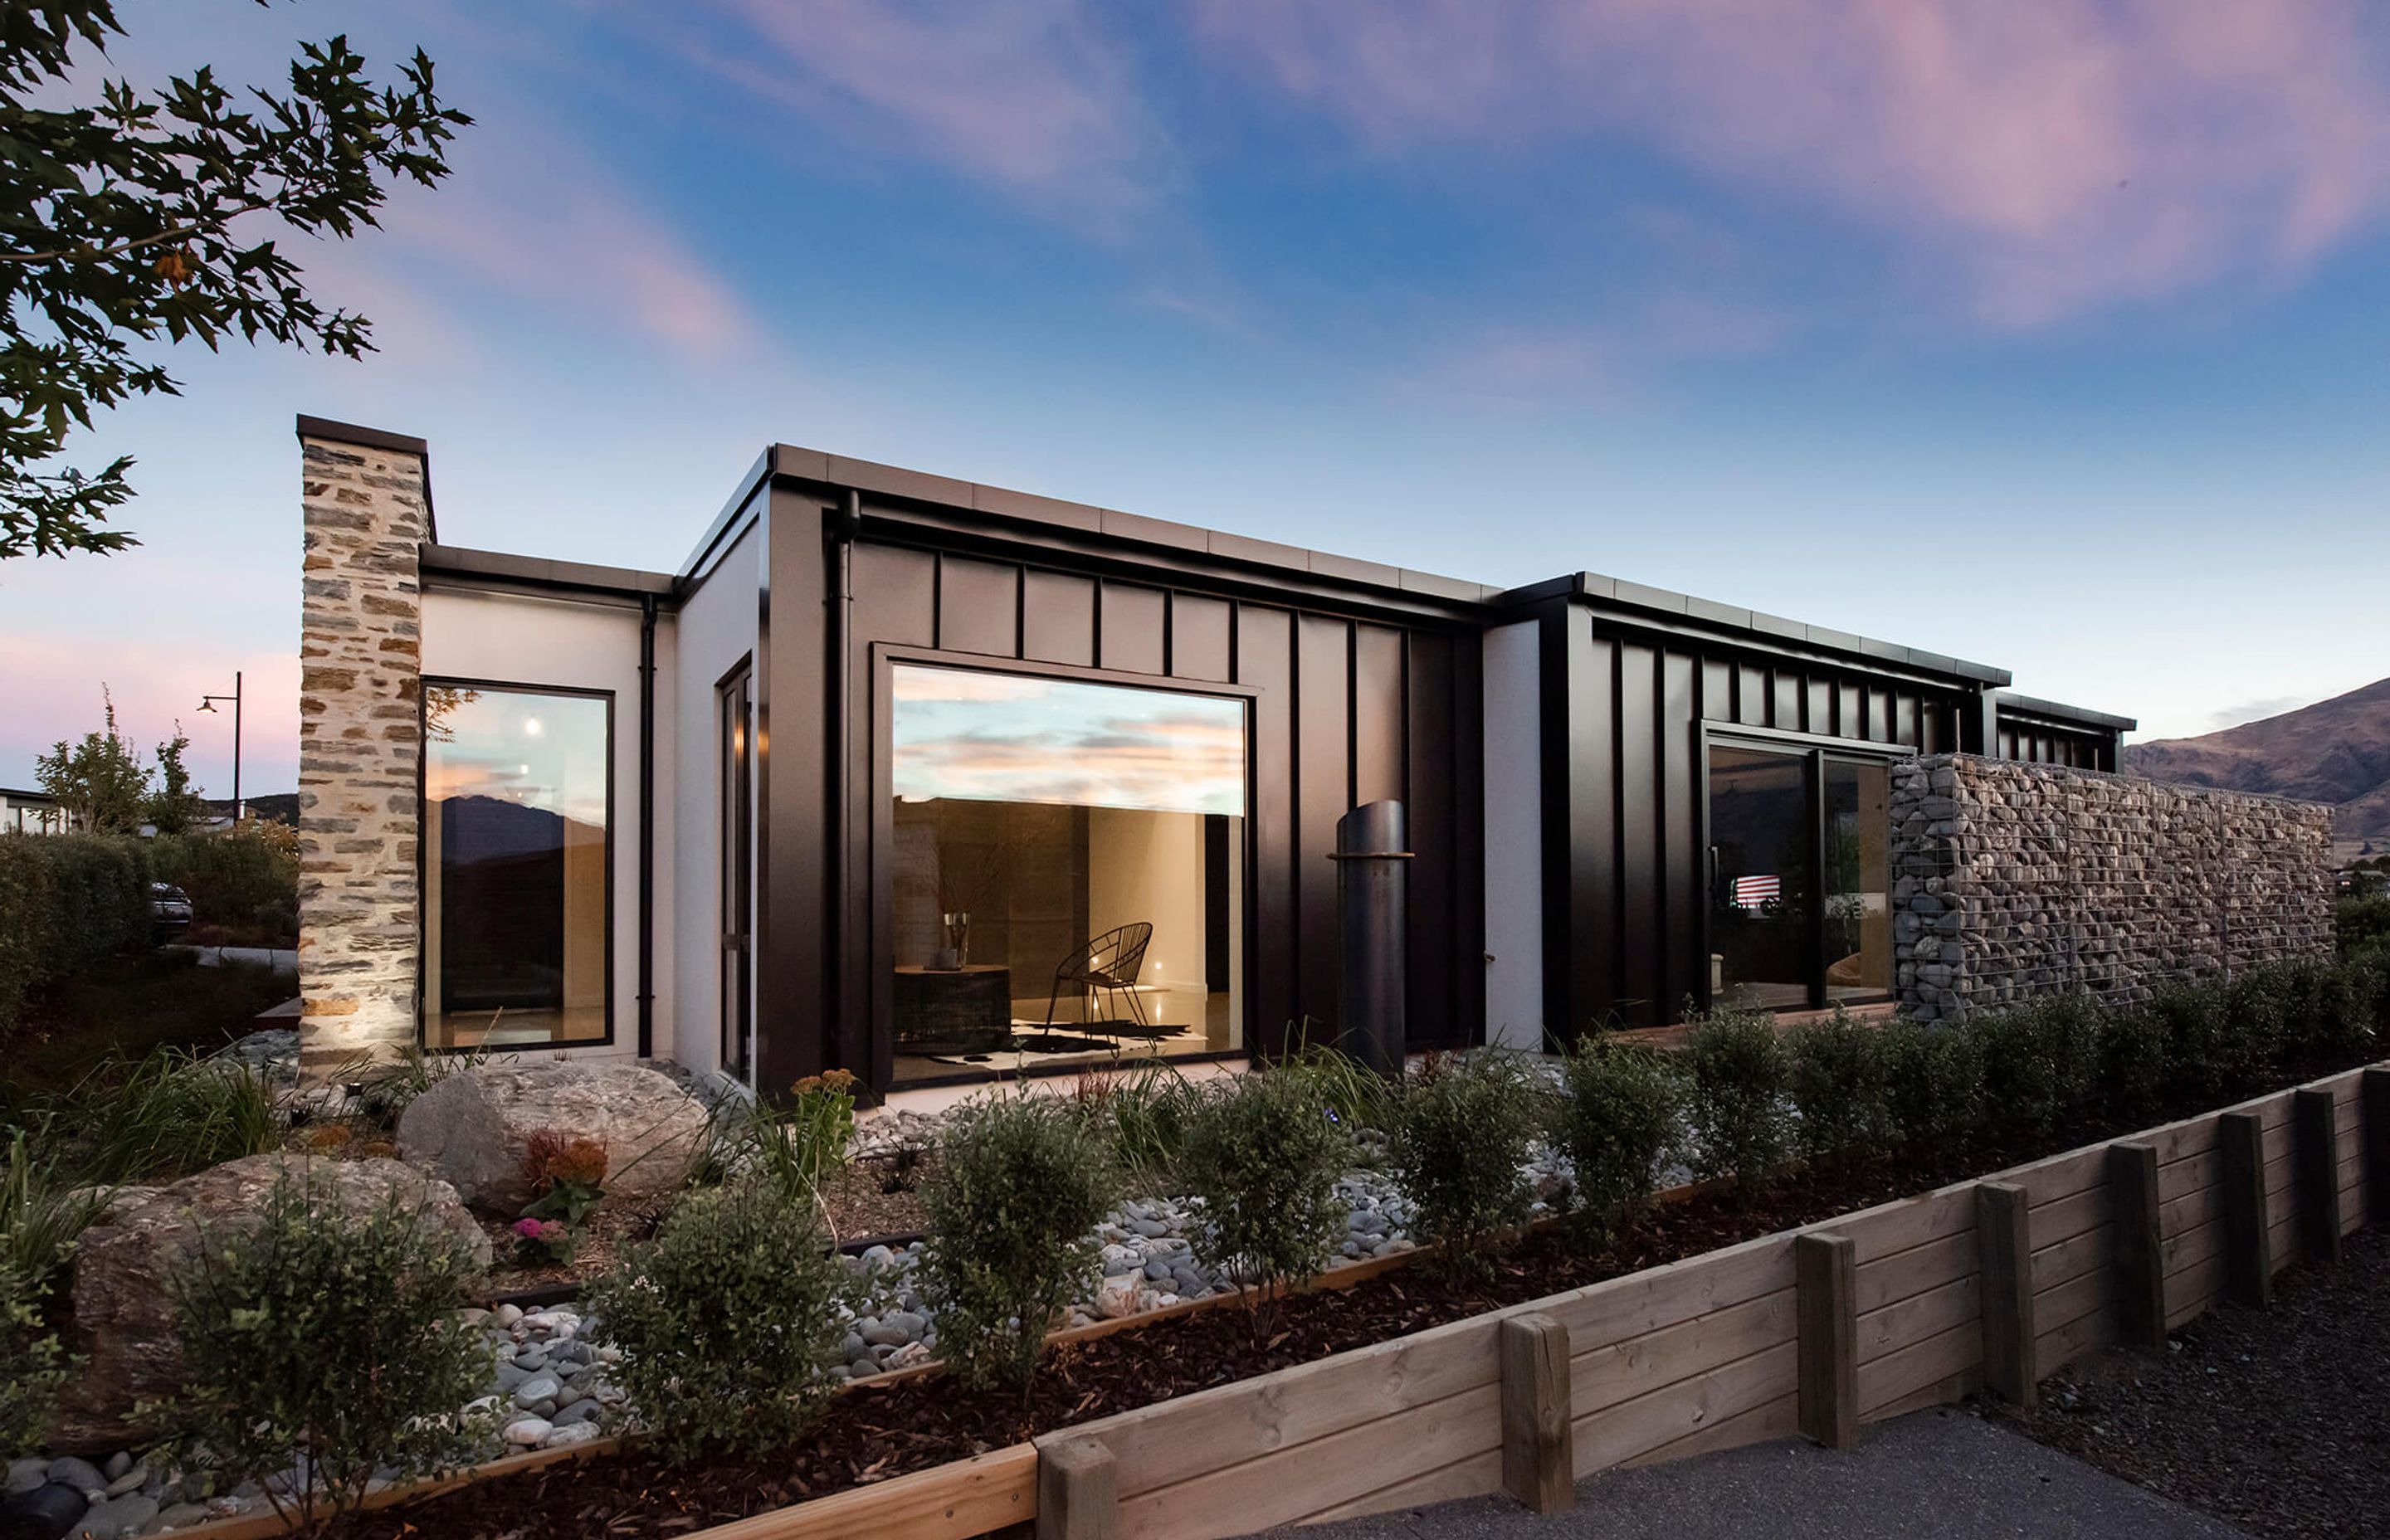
column 2278, row 1420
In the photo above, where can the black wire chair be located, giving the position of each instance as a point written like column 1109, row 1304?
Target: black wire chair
column 1107, row 965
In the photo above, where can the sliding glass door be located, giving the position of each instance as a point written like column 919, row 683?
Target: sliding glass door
column 1799, row 878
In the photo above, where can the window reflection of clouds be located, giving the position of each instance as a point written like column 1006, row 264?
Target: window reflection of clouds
column 546, row 751
column 1011, row 738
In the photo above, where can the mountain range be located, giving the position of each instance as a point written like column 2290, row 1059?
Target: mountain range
column 2336, row 752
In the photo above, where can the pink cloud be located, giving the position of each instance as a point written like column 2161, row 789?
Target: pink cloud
column 2059, row 155
column 545, row 226
column 1036, row 98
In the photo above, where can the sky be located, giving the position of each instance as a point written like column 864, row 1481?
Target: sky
column 2050, row 336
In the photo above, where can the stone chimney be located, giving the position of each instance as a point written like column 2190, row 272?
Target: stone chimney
column 366, row 497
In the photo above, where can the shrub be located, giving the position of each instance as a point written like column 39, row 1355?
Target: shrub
column 66, row 902
column 1461, row 1137
column 100, row 899
column 25, row 898
column 1020, row 1184
column 2360, row 923
column 2197, row 1053
column 41, row 1213
column 1741, row 1074
column 2136, row 1058
column 243, row 883
column 1143, row 1112
column 2041, row 1060
column 37, row 1366
column 1934, row 1081
column 328, row 1334
column 792, row 1146
column 2259, row 1006
column 728, row 1321
column 1621, row 1122
column 1840, row 1087
column 2349, row 1003
column 1264, row 1153
column 1361, row 1097
column 168, row 1114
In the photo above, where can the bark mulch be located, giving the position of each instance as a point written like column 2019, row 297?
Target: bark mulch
column 2277, row 1420
column 873, row 1432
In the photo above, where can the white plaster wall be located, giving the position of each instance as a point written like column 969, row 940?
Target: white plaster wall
column 577, row 644
column 717, row 628
column 1514, row 837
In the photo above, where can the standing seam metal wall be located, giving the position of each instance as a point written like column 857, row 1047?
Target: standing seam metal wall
column 1624, row 794
column 1348, row 708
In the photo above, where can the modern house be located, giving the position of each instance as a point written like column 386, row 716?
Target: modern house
column 30, row 813
column 929, row 779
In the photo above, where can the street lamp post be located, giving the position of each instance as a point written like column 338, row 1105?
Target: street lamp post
column 207, row 703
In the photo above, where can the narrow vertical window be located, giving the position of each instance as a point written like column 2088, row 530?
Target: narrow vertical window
column 517, row 852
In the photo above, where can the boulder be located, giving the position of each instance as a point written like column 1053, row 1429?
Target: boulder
column 472, row 1127
column 124, row 1268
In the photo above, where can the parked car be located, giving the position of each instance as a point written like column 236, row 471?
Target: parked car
column 170, row 911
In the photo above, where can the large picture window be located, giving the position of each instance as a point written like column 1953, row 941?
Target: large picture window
column 1800, row 878
column 517, row 799
column 1069, row 871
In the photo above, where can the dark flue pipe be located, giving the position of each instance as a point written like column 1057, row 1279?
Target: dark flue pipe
column 647, row 826
column 1372, row 912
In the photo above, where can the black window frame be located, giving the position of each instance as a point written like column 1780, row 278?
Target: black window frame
column 1814, row 750
column 423, row 855
column 885, row 658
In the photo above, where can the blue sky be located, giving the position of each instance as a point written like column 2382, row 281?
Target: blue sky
column 2050, row 336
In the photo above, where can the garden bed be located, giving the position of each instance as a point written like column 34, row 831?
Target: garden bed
column 1685, row 1341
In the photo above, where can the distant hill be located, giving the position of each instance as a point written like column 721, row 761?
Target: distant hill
column 2336, row 752
column 280, row 806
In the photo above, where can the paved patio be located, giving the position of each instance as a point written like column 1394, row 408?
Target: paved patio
column 1945, row 1473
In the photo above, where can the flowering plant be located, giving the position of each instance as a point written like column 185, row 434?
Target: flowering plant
column 551, row 1239
column 568, row 1176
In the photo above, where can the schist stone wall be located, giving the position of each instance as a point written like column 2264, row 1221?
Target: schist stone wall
column 2012, row 880
column 360, row 740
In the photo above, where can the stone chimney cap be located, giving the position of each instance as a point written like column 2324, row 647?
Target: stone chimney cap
column 377, row 438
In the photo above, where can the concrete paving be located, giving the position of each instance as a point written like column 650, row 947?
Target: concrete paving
column 282, row 959
column 1945, row 1473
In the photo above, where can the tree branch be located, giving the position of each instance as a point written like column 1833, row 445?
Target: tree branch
column 180, row 232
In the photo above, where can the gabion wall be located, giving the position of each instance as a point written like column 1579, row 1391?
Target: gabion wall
column 2011, row 880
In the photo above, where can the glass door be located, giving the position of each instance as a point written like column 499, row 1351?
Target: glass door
column 738, row 719
column 1800, row 859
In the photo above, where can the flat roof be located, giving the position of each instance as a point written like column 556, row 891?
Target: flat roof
column 825, row 469
column 820, row 467
column 539, row 571
column 2058, row 711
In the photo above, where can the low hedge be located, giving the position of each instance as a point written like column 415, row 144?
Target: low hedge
column 66, row 902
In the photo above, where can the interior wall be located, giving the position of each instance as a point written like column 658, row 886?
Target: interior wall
column 714, row 628
column 591, row 643
column 1148, row 866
